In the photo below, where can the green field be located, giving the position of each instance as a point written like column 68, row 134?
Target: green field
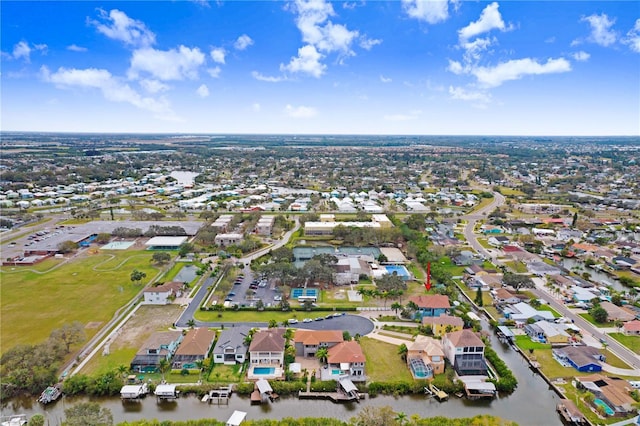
column 255, row 316
column 631, row 342
column 88, row 289
column 544, row 307
column 383, row 362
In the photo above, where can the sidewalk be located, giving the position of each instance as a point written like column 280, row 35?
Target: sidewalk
column 621, row 371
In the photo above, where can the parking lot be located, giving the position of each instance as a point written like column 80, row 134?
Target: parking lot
column 249, row 288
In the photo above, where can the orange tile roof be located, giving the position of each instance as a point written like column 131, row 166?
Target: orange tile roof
column 197, row 342
column 346, row 352
column 431, row 301
column 315, row 337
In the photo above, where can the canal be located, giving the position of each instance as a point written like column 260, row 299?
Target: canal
column 533, row 403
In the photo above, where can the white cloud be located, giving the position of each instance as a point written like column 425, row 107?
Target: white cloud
column 633, row 37
column 203, row 91
column 112, row 88
column 217, row 54
column 307, row 61
column 430, row 11
column 22, row 50
column 516, row 69
column 368, row 43
column 167, row 64
column 473, row 49
column 455, row 67
column 243, row 42
column 476, row 96
column 300, row 112
column 214, row 72
column 118, row 26
column 76, row 48
column 269, row 79
column 255, row 107
column 601, row 32
column 153, row 86
column 581, row 56
column 385, row 79
column 490, row 19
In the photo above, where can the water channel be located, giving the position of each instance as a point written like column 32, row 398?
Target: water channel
column 532, row 404
column 598, row 277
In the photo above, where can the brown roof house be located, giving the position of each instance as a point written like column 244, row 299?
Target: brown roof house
column 307, row 342
column 425, row 357
column 612, row 391
column 631, row 328
column 348, row 358
column 432, row 305
column 266, row 354
column 163, row 294
column 195, row 347
column 465, row 352
column 615, row 313
column 160, row 345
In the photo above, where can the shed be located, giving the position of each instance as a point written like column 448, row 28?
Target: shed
column 236, row 418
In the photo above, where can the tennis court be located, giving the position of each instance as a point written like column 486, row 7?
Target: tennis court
column 305, row 293
column 118, row 245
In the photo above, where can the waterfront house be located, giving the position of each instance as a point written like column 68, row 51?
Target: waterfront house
column 610, row 391
column 465, row 352
column 631, row 328
column 348, row 358
column 425, row 357
column 547, row 332
column 522, row 312
column 432, row 305
column 160, row 345
column 163, row 294
column 195, row 346
column 267, row 347
column 307, row 342
column 443, row 324
column 504, row 296
column 231, row 348
column 582, row 358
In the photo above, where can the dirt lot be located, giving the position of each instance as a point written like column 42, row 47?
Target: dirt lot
column 147, row 320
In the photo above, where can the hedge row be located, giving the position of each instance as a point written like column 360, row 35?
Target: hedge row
column 506, row 381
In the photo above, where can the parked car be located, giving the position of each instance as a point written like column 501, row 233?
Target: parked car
column 292, row 321
column 320, row 319
column 307, row 320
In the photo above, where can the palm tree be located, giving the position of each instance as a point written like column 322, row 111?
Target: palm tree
column 322, row 354
column 164, row 366
column 273, row 323
column 200, row 364
column 403, row 351
column 123, row 370
column 191, row 323
column 395, row 306
column 401, row 418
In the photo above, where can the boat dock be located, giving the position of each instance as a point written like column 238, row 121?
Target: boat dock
column 134, row 392
column 570, row 413
column 437, row 393
column 166, row 392
column 332, row 396
column 218, row 396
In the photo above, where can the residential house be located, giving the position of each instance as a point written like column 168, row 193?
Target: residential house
column 504, row 296
column 222, row 223
column 267, row 347
column 163, row 294
column 160, row 345
column 307, row 342
column 467, row 257
column 348, row 358
column 522, row 312
column 465, row 352
column 582, row 358
column 631, row 328
column 265, row 225
column 547, row 332
column 195, row 346
column 615, row 313
column 612, row 391
column 498, row 241
column 425, row 357
column 432, row 305
column 485, row 281
column 443, row 324
column 225, row 240
column 231, row 347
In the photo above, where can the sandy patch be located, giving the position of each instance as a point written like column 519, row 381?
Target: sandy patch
column 147, row 320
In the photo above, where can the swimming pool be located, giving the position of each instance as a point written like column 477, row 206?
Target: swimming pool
column 118, row 245
column 335, row 372
column 604, row 405
column 264, row 371
column 399, row 270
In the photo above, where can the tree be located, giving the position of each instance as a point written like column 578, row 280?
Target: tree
column 322, row 354
column 186, row 248
column 164, row 366
column 69, row 334
column 599, row 314
column 37, row 420
column 401, row 418
column 273, row 323
column 616, row 299
column 103, row 238
column 396, row 306
column 403, row 351
column 137, row 276
column 161, row 257
column 374, row 416
column 346, row 336
column 478, row 298
column 191, row 323
column 67, row 247
column 574, row 221
column 87, row 414
column 260, row 305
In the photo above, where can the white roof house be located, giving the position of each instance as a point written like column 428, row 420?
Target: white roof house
column 166, row 241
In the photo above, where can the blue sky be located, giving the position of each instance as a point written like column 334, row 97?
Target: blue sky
column 355, row 67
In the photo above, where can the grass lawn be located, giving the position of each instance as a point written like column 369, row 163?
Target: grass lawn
column 544, row 307
column 484, row 243
column 613, row 359
column 631, row 342
column 550, row 367
column 589, row 318
column 88, row 289
column 517, row 267
column 417, row 272
column 335, row 297
column 255, row 316
column 525, row 343
column 383, row 362
column 226, row 374
column 103, row 364
column 509, row 191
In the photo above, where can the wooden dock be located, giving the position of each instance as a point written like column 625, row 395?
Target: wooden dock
column 437, row 393
column 218, row 396
column 332, row 396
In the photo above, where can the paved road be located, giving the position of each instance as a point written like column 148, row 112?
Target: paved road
column 619, row 350
column 472, row 219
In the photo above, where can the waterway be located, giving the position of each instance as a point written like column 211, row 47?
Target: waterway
column 532, row 404
column 595, row 276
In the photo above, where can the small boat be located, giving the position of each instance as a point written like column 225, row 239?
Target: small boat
column 17, row 420
column 50, row 394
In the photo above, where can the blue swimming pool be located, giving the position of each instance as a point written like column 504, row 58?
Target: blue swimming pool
column 335, row 372
column 399, row 270
column 264, row 371
column 604, row 405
